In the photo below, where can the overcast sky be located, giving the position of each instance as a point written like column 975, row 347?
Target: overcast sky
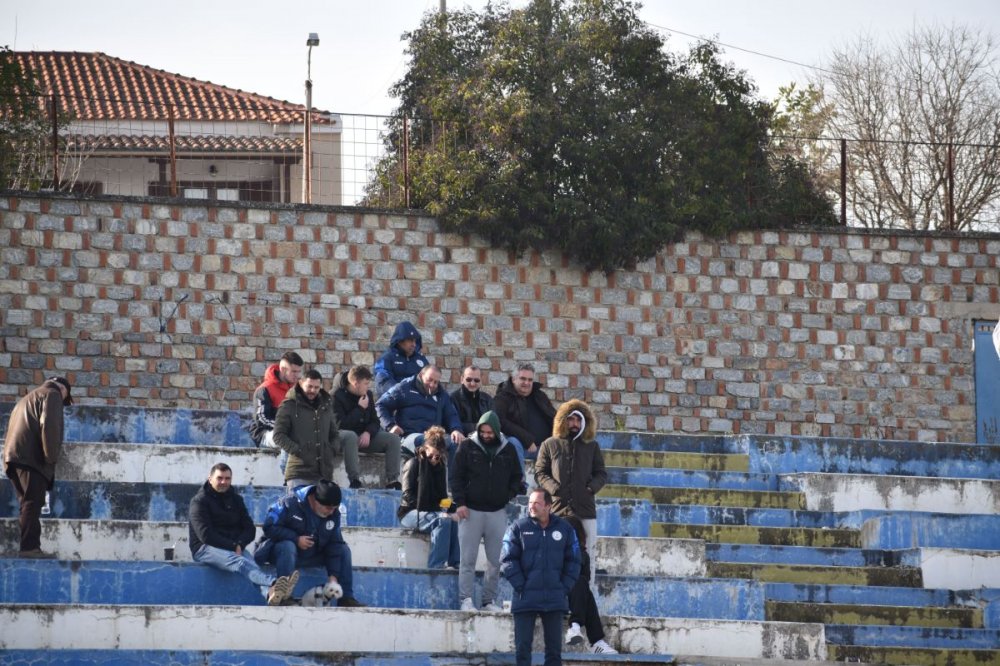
column 260, row 46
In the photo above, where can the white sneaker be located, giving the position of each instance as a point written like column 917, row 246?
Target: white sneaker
column 491, row 608
column 601, row 647
column 573, row 635
column 468, row 605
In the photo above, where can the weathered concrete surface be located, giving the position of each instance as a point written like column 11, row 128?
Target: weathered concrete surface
column 708, row 496
column 654, row 441
column 960, row 569
column 831, row 538
column 651, row 557
column 803, row 573
column 305, row 630
column 967, row 617
column 914, row 656
column 718, row 462
column 853, row 492
column 918, row 637
column 914, row 530
column 835, row 557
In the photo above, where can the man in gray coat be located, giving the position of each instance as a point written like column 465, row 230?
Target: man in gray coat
column 30, row 454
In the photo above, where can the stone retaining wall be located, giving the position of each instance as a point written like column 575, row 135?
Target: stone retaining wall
column 836, row 333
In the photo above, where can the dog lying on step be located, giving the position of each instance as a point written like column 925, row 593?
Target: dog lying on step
column 320, row 596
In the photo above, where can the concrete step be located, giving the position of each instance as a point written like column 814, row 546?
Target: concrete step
column 919, row 637
column 238, row 658
column 904, row 656
column 719, row 462
column 832, row 557
column 337, row 631
column 130, row 540
column 654, row 441
column 707, row 496
column 756, row 516
column 855, row 492
column 911, row 530
column 910, row 616
column 782, row 536
column 778, row 454
column 860, row 595
column 801, row 573
column 690, row 478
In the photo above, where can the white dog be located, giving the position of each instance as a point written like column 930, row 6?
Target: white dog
column 320, row 596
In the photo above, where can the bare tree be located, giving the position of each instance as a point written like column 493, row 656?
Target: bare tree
column 909, row 109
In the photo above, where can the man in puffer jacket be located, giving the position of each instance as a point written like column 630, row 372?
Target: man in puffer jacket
column 306, row 427
column 541, row 561
column 402, row 359
column 570, row 466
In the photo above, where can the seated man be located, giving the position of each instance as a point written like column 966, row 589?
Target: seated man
column 402, row 359
column 303, row 530
column 359, row 426
column 525, row 412
column 425, row 485
column 279, row 378
column 306, row 428
column 219, row 530
column 416, row 404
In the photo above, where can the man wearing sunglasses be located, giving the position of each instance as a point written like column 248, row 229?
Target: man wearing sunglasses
column 470, row 402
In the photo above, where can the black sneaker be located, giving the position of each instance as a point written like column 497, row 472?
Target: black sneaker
column 395, row 485
column 349, row 602
column 356, row 483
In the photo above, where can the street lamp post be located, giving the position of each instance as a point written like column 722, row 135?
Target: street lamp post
column 312, row 41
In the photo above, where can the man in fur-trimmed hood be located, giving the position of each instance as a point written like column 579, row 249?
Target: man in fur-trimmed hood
column 570, row 466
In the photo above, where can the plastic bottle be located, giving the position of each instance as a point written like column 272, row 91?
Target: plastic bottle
column 47, row 507
column 343, row 515
column 401, row 554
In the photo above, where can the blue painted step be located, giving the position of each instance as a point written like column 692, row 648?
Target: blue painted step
column 649, row 441
column 875, row 596
column 807, row 555
column 679, row 478
column 920, row 637
column 183, row 583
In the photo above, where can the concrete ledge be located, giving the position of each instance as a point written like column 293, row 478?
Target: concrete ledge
column 915, row 637
column 959, row 569
column 304, row 630
column 853, row 492
column 654, row 441
column 915, row 530
column 684, row 478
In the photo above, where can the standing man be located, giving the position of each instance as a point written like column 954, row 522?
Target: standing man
column 360, row 430
column 486, row 478
column 524, row 410
column 570, row 466
column 402, row 359
column 416, row 404
column 306, row 428
column 541, row 561
column 279, row 379
column 303, row 530
column 469, row 400
column 219, row 530
column 30, row 454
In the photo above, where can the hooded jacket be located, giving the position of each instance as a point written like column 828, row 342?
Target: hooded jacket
column 349, row 415
column 266, row 400
column 35, row 431
column 572, row 470
column 309, row 433
column 395, row 366
column 512, row 408
column 219, row 519
column 541, row 564
column 291, row 517
column 409, row 406
column 483, row 481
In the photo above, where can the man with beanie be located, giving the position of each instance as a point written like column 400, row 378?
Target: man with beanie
column 30, row 453
column 303, row 530
column 219, row 530
column 571, row 467
column 486, row 477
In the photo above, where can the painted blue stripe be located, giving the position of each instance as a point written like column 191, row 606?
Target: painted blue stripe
column 911, row 530
column 645, row 441
column 678, row 478
column 875, row 596
column 807, row 555
column 920, row 637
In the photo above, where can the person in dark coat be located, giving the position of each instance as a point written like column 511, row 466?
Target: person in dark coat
column 303, row 530
column 306, row 427
column 219, row 530
column 416, row 404
column 402, row 359
column 470, row 400
column 541, row 561
column 31, row 452
column 360, row 429
column 425, row 487
column 524, row 410
column 582, row 605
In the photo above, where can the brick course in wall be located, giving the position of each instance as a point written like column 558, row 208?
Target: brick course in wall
column 842, row 333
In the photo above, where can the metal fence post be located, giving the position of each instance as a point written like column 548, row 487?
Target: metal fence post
column 173, row 150
column 843, row 182
column 55, row 141
column 406, row 162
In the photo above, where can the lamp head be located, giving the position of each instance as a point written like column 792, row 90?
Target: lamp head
column 313, row 39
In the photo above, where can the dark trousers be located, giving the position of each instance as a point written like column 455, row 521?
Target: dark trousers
column 29, row 487
column 524, row 633
column 583, row 610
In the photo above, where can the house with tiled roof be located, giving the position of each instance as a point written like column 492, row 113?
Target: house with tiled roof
column 136, row 130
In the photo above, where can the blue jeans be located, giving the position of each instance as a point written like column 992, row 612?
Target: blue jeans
column 444, row 537
column 524, row 632
column 228, row 560
column 286, row 559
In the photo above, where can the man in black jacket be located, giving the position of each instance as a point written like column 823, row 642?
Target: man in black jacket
column 469, row 400
column 219, row 530
column 486, row 477
column 524, row 410
column 360, row 429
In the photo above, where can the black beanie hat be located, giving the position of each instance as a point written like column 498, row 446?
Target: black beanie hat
column 327, row 493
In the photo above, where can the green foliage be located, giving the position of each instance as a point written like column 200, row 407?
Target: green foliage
column 23, row 125
column 566, row 125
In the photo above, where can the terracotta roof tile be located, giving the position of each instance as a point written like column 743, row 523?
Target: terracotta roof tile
column 95, row 86
column 184, row 144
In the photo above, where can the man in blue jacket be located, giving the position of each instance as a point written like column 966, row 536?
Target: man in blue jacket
column 416, row 404
column 541, row 561
column 303, row 530
column 402, row 359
